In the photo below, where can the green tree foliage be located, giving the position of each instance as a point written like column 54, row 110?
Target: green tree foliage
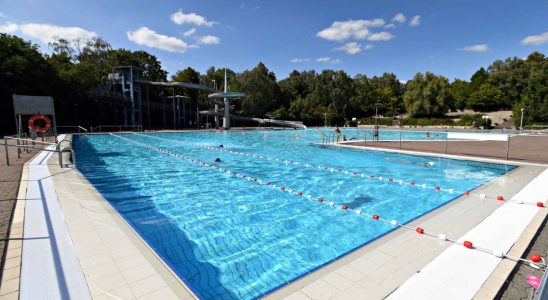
column 23, row 70
column 535, row 98
column 261, row 88
column 75, row 69
column 478, row 78
column 460, row 90
column 427, row 95
column 486, row 98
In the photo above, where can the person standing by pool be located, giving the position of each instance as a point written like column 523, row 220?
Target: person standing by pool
column 338, row 133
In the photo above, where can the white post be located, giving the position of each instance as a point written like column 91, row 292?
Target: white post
column 521, row 121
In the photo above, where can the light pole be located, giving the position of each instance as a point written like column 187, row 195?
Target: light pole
column 325, row 119
column 485, row 118
column 521, row 121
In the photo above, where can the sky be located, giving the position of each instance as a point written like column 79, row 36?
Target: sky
column 451, row 38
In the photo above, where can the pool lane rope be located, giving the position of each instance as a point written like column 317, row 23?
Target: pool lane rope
column 347, row 172
column 535, row 260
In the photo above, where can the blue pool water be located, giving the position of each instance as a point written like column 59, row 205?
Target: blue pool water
column 229, row 238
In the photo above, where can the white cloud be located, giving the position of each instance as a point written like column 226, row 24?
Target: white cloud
column 189, row 32
column 389, row 26
column 535, row 39
column 415, row 21
column 476, row 48
column 400, row 17
column 351, row 29
column 299, row 60
column 328, row 60
column 208, row 40
column 9, row 27
column 354, row 48
column 47, row 33
column 180, row 18
column 381, row 36
column 146, row 37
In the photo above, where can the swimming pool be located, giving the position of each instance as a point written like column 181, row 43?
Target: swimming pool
column 229, row 238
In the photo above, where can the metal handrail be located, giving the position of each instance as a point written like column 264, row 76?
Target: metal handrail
column 100, row 127
column 23, row 145
column 28, row 140
column 80, row 128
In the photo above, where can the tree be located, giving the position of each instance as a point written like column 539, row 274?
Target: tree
column 427, row 95
column 261, row 88
column 23, row 70
column 535, row 98
column 486, row 98
column 460, row 90
column 511, row 78
column 478, row 78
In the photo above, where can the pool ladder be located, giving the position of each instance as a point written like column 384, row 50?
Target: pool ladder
column 329, row 139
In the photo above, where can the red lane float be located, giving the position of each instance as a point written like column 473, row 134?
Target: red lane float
column 535, row 260
column 353, row 173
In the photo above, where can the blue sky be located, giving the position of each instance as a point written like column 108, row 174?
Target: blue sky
column 452, row 38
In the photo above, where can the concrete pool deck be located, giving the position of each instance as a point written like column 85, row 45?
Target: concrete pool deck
column 377, row 269
column 117, row 263
column 522, row 148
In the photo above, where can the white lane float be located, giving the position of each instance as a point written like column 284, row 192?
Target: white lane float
column 535, row 260
column 345, row 172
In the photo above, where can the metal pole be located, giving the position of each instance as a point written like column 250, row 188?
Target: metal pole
column 521, row 122
column 7, row 155
column 59, row 155
column 507, row 146
column 19, row 132
column 400, row 139
column 148, row 109
column 445, row 141
column 173, row 107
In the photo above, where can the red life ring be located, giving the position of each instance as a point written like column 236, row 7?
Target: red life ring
column 37, row 126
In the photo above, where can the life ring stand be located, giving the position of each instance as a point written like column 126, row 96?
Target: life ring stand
column 36, row 125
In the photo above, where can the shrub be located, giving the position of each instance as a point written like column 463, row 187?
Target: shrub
column 426, row 122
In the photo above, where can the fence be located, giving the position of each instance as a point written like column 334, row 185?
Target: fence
column 528, row 147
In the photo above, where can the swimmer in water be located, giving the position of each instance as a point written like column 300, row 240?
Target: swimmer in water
column 221, row 146
column 405, row 162
column 218, row 160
